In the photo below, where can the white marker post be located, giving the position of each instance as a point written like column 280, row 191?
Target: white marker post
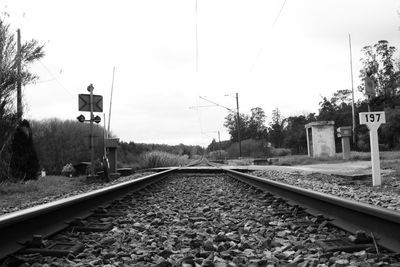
column 373, row 120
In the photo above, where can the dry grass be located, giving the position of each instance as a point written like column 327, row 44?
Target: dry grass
column 154, row 159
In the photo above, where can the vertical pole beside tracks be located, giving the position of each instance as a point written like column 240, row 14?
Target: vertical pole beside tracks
column 19, row 78
column 238, row 126
column 90, row 89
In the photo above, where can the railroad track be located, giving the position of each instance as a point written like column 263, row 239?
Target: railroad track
column 28, row 228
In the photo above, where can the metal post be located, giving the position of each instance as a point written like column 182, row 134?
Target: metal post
column 369, row 104
column 90, row 89
column 238, row 124
column 19, row 93
column 352, row 94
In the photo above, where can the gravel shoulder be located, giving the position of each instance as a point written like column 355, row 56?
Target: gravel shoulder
column 387, row 195
column 20, row 196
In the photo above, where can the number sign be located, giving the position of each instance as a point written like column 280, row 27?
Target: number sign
column 373, row 120
column 377, row 117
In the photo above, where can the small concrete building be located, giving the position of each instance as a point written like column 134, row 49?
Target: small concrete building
column 321, row 139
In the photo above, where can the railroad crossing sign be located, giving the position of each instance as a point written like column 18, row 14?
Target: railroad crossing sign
column 373, row 120
column 84, row 102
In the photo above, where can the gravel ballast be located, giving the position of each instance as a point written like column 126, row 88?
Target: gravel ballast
column 208, row 220
column 386, row 195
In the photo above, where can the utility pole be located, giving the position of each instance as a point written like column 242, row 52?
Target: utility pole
column 19, row 93
column 238, row 125
column 352, row 94
column 90, row 89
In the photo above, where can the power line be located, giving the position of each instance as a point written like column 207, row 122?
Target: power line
column 197, row 40
column 279, row 14
column 272, row 28
column 55, row 78
column 45, row 81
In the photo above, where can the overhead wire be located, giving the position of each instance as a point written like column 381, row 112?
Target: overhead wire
column 272, row 28
column 197, row 68
column 55, row 79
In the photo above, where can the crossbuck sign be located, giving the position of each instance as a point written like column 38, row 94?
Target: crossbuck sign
column 373, row 120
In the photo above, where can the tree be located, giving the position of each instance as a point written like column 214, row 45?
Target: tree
column 30, row 52
column 378, row 63
column 256, row 128
column 276, row 129
column 295, row 134
column 337, row 109
column 231, row 124
column 252, row 126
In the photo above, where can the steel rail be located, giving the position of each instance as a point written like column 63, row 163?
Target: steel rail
column 346, row 214
column 48, row 219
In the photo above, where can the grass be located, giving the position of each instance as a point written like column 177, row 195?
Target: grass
column 16, row 194
column 156, row 159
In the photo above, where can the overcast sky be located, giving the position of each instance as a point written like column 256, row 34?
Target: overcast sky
column 288, row 61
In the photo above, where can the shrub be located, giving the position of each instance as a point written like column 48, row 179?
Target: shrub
column 154, row 159
column 24, row 164
column 68, row 170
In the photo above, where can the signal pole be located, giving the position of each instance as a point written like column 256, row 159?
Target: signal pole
column 90, row 89
column 19, row 93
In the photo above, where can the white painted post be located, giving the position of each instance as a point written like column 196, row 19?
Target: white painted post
column 373, row 120
column 375, row 160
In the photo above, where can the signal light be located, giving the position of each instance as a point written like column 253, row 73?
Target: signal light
column 97, row 119
column 81, row 118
